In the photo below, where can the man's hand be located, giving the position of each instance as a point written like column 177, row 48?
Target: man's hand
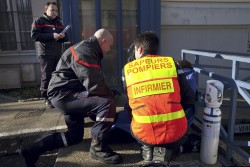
column 58, row 36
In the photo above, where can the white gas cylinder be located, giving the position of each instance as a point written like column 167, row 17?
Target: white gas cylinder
column 210, row 135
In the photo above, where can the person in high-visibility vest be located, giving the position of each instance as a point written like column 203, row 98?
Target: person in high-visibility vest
column 158, row 93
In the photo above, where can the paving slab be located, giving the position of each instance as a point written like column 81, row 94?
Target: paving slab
column 28, row 118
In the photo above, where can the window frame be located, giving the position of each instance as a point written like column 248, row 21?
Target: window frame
column 12, row 10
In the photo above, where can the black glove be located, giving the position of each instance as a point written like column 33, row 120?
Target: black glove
column 115, row 92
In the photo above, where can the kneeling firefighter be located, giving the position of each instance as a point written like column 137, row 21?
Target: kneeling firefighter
column 158, row 93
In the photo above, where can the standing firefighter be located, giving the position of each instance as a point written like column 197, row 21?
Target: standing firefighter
column 46, row 32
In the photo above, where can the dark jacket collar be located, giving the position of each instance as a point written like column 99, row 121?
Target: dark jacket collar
column 95, row 46
column 146, row 54
column 47, row 17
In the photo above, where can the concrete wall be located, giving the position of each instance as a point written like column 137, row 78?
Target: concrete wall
column 19, row 69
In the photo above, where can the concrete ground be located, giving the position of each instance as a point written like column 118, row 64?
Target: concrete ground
column 78, row 155
column 23, row 122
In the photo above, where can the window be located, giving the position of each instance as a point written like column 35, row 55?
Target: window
column 129, row 16
column 120, row 18
column 87, row 17
column 16, row 20
column 109, row 21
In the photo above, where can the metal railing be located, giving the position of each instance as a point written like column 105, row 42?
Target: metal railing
column 235, row 85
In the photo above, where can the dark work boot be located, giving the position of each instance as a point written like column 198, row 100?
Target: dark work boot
column 99, row 150
column 32, row 151
column 147, row 153
column 165, row 154
column 159, row 154
column 30, row 155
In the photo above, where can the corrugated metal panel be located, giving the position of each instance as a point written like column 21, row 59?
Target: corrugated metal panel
column 204, row 25
column 173, row 13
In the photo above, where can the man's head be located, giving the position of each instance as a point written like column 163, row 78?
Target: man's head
column 146, row 43
column 184, row 64
column 105, row 39
column 51, row 10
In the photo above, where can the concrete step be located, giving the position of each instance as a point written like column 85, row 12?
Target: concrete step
column 29, row 118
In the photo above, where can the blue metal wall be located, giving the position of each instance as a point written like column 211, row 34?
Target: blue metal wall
column 149, row 12
column 70, row 15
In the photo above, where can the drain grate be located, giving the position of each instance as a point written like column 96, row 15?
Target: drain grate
column 27, row 113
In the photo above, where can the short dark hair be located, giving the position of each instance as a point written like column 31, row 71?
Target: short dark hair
column 49, row 3
column 149, row 42
column 184, row 64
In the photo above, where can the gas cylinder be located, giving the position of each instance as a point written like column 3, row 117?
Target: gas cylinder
column 210, row 135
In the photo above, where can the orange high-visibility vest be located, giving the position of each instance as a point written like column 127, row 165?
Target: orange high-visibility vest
column 154, row 96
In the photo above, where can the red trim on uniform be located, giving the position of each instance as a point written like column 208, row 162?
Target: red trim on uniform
column 47, row 25
column 80, row 61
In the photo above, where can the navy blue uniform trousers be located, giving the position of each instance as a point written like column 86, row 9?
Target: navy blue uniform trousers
column 47, row 66
column 77, row 106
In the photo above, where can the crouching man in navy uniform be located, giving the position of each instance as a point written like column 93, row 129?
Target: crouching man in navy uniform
column 76, row 88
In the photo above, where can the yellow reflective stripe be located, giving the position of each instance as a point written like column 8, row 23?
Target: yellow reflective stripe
column 159, row 118
column 152, row 88
column 148, row 68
